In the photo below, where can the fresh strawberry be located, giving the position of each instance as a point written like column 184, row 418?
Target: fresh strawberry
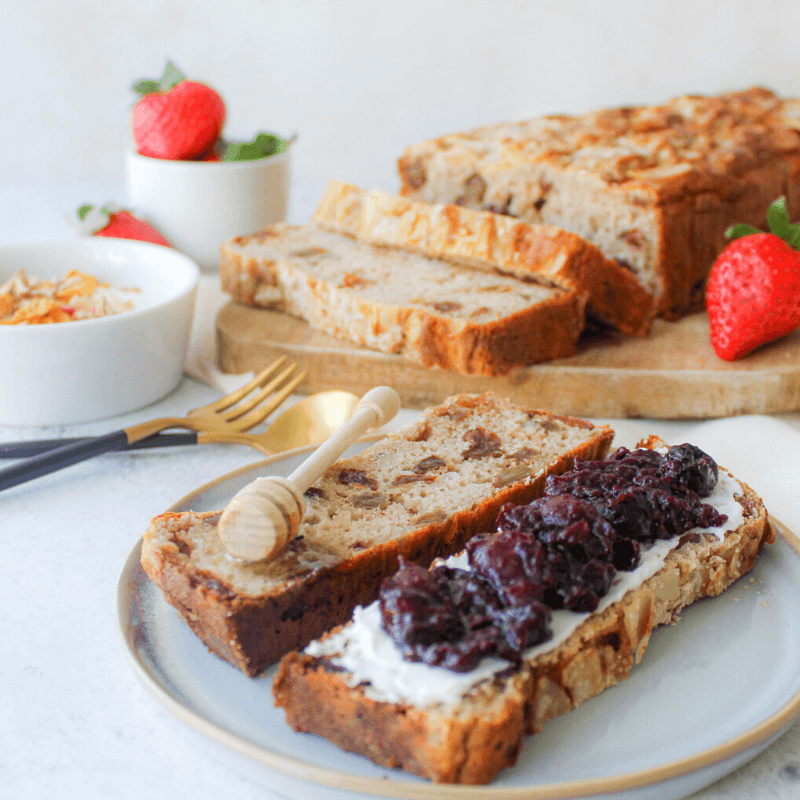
column 118, row 224
column 176, row 119
column 753, row 292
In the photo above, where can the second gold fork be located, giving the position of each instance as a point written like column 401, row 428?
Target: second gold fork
column 229, row 413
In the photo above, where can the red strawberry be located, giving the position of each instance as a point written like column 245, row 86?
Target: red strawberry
column 753, row 292
column 118, row 224
column 176, row 119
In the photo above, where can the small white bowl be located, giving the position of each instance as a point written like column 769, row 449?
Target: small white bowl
column 67, row 372
column 197, row 205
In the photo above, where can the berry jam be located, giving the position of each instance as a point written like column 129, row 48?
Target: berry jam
column 453, row 618
column 643, row 494
column 561, row 551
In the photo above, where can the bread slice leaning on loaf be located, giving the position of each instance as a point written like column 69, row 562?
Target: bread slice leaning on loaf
column 419, row 493
column 653, row 187
column 494, row 243
column 470, row 739
column 433, row 312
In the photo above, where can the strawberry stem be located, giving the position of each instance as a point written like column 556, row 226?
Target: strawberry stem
column 779, row 224
column 172, row 77
column 92, row 219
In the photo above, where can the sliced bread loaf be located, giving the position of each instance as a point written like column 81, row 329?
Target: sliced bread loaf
column 431, row 311
column 653, row 187
column 419, row 493
column 467, row 730
column 495, row 243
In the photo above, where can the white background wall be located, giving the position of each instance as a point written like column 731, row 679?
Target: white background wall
column 359, row 79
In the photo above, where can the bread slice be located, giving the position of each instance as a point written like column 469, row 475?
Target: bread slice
column 469, row 739
column 420, row 493
column 653, row 187
column 431, row 311
column 495, row 243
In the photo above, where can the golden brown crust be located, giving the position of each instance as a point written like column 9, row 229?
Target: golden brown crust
column 671, row 178
column 492, row 242
column 252, row 614
column 544, row 328
column 473, row 741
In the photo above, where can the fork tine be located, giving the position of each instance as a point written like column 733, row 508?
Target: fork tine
column 249, row 403
column 263, row 411
column 235, row 397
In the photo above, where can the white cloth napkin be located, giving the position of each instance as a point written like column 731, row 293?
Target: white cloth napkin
column 201, row 356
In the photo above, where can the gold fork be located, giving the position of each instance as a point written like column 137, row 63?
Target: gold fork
column 234, row 413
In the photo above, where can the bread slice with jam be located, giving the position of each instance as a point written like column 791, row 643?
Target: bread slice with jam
column 465, row 727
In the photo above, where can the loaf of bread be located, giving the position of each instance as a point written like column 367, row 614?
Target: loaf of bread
column 653, row 187
column 419, row 493
column 495, row 243
column 465, row 727
column 431, row 311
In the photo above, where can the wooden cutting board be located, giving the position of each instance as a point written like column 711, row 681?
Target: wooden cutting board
column 671, row 374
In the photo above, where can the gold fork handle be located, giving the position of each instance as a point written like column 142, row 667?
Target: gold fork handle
column 144, row 430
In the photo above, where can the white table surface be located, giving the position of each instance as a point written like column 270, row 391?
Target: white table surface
column 74, row 719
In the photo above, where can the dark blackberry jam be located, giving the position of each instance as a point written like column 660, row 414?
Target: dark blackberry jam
column 560, row 551
column 453, row 618
column 643, row 494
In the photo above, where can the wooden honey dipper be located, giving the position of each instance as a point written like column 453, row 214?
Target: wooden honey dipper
column 264, row 515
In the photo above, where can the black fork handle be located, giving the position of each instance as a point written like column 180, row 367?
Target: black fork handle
column 62, row 457
column 35, row 447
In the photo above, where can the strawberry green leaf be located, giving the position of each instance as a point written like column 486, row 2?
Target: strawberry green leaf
column 778, row 218
column 172, row 77
column 145, row 87
column 90, row 219
column 779, row 225
column 264, row 145
column 740, row 230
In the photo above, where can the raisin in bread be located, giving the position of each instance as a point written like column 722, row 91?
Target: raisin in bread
column 434, row 312
column 466, row 732
column 653, row 187
column 494, row 243
column 419, row 493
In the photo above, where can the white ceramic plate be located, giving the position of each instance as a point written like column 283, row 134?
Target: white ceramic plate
column 710, row 694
